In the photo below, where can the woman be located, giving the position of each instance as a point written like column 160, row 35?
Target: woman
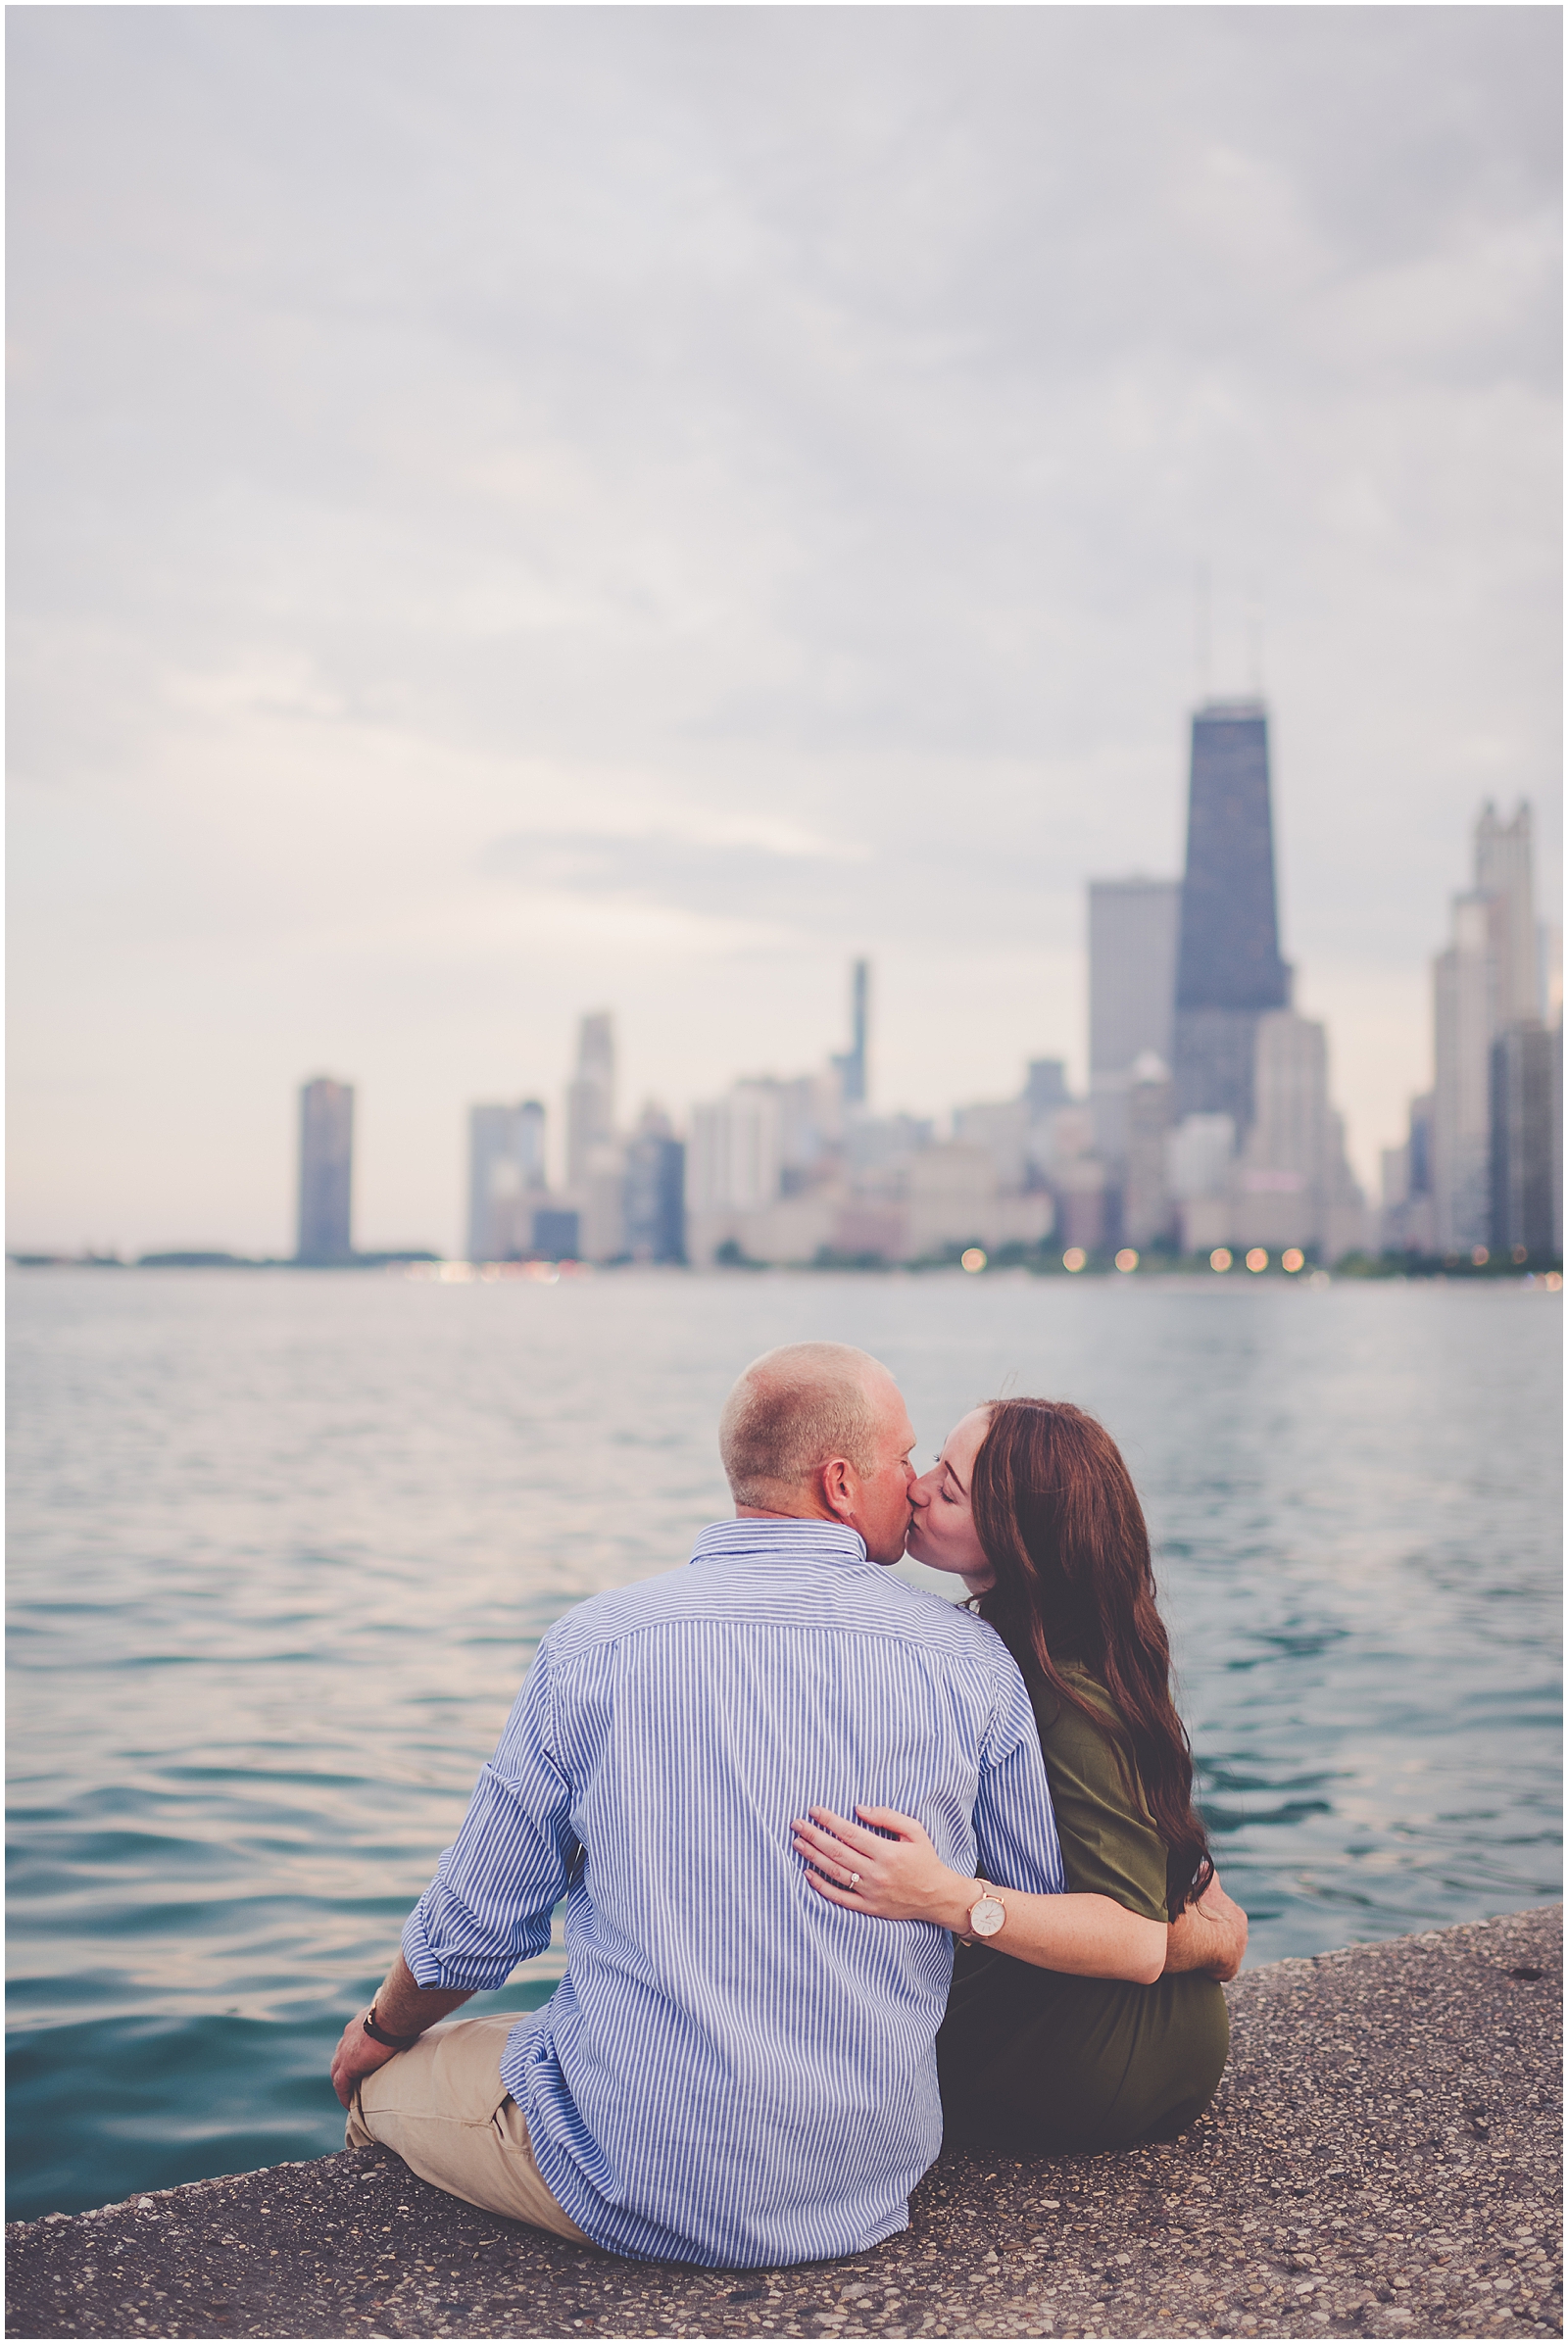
column 1095, row 2019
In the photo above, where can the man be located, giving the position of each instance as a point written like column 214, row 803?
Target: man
column 733, row 2071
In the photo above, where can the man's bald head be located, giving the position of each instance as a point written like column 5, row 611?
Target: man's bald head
column 799, row 1408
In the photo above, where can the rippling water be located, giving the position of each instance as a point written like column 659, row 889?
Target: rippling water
column 283, row 1547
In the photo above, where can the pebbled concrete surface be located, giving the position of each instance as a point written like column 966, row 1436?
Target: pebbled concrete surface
column 1383, row 2160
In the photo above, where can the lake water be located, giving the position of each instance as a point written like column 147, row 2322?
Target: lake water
column 283, row 1544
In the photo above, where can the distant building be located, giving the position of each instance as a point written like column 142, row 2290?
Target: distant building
column 327, row 1172
column 1081, row 1203
column 591, row 1094
column 1464, row 1021
column 1526, row 1167
column 506, row 1177
column 1147, row 1207
column 656, row 1192
column 1229, row 972
column 736, row 1155
column 1046, row 1087
column 1408, row 1222
column 852, row 1065
column 878, row 1148
column 601, row 1203
column 1486, row 980
column 1503, row 877
column 810, row 1128
column 954, row 1197
column 1293, row 1185
column 555, row 1235
column 1199, row 1155
column 1133, row 926
column 1002, row 1128
column 1549, row 964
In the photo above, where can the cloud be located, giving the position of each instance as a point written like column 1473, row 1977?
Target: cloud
column 518, row 507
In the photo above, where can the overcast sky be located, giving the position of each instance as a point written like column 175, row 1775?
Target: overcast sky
column 517, row 510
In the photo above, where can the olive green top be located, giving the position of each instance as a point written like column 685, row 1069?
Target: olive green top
column 1109, row 1844
column 1033, row 2059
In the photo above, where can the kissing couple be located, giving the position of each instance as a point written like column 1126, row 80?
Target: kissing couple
column 846, row 1865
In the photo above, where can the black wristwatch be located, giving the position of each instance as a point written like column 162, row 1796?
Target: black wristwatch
column 378, row 2035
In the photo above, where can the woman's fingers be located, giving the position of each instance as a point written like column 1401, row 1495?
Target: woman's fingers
column 833, row 1851
column 841, row 1863
column 838, row 1896
column 888, row 1819
column 853, row 1835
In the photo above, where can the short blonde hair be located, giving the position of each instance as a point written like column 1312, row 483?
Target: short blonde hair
column 794, row 1409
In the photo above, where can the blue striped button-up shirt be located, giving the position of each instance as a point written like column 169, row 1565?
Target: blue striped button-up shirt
column 734, row 2070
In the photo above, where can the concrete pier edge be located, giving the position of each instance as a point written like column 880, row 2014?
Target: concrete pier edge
column 1383, row 2159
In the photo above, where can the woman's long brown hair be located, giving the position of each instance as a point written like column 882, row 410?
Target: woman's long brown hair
column 1055, row 1510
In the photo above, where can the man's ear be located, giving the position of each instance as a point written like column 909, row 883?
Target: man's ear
column 838, row 1484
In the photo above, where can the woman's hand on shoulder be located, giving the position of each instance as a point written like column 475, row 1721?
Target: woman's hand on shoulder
column 900, row 1878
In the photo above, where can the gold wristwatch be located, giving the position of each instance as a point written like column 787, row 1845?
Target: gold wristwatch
column 985, row 1914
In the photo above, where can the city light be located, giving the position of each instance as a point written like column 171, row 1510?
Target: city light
column 1258, row 1260
column 973, row 1259
column 1292, row 1259
column 1480, row 1257
column 1220, row 1259
column 1074, row 1258
column 1127, row 1259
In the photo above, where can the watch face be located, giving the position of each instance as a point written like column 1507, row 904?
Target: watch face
column 987, row 1917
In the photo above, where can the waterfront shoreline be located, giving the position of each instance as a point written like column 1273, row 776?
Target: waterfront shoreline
column 1384, row 2158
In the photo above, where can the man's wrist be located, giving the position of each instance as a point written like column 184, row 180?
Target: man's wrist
column 389, row 2037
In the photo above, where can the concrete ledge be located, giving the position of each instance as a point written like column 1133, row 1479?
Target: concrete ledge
column 1383, row 2160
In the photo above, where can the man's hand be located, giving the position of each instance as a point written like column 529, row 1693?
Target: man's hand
column 1210, row 1936
column 357, row 2056
column 402, row 2007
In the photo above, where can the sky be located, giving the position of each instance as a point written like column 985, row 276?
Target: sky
column 523, row 511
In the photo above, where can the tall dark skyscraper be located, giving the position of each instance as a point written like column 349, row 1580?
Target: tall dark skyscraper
column 852, row 1071
column 1227, row 965
column 327, row 1172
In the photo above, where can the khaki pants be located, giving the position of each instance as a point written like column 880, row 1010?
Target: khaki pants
column 444, row 2110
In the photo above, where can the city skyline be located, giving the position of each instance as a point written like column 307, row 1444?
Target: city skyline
column 802, row 1168
column 1154, row 1169
column 793, row 555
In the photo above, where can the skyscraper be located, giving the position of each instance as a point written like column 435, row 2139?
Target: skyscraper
column 506, row 1179
column 1147, row 1208
column 1503, row 877
column 591, row 1096
column 655, row 1191
column 1132, row 992
column 1293, row 1185
column 1228, row 968
column 1133, row 928
column 327, row 1172
column 1483, row 984
column 1464, row 1023
column 852, row 1066
column 1527, row 1141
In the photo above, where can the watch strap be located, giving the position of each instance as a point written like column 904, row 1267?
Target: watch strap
column 378, row 2035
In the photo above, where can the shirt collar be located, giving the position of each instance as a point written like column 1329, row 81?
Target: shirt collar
column 779, row 1539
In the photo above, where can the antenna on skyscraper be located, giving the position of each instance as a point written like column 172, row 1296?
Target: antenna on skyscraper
column 1254, row 638
column 1200, row 630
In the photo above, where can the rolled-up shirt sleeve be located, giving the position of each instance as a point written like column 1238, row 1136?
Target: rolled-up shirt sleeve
column 488, row 1907
column 1015, row 1822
